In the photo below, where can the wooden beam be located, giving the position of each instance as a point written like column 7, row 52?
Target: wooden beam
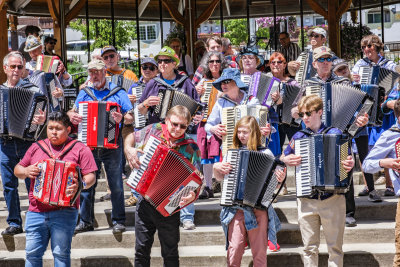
column 318, row 8
column 3, row 39
column 344, row 6
column 74, row 12
column 54, row 10
column 205, row 15
column 334, row 29
column 2, row 2
column 142, row 6
column 173, row 12
column 20, row 4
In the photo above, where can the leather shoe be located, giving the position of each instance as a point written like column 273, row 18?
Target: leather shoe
column 12, row 230
column 118, row 228
column 350, row 221
column 83, row 227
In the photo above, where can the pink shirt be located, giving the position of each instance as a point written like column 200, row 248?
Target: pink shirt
column 79, row 154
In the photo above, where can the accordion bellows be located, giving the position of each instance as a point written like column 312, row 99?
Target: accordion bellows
column 47, row 63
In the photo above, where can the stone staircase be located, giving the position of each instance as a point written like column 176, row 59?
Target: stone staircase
column 371, row 243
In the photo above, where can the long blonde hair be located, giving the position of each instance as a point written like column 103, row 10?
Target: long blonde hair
column 255, row 133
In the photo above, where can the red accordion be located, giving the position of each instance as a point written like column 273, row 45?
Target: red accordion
column 98, row 127
column 51, row 184
column 164, row 177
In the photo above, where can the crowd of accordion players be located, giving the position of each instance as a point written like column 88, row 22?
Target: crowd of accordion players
column 183, row 131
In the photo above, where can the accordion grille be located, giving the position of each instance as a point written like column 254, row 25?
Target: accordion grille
column 111, row 126
column 19, row 103
column 344, row 152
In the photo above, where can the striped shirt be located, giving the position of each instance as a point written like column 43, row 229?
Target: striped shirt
column 291, row 52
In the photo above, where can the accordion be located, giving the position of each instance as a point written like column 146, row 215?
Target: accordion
column 382, row 77
column 98, row 128
column 121, row 81
column 209, row 98
column 170, row 98
column 342, row 103
column 262, row 86
column 140, row 119
column 378, row 95
column 47, row 83
column 321, row 169
column 306, row 70
column 47, row 63
column 231, row 115
column 18, row 106
column 252, row 180
column 245, row 78
column 164, row 177
column 69, row 98
column 51, row 184
column 289, row 95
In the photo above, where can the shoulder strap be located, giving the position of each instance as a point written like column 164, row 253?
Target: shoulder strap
column 248, row 99
column 326, row 130
column 112, row 92
column 177, row 83
column 228, row 99
column 42, row 144
column 307, row 132
column 395, row 129
column 383, row 62
column 185, row 142
column 174, row 86
column 159, row 80
column 90, row 93
column 367, row 60
column 45, row 147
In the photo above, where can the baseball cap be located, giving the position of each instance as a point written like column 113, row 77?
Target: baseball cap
column 318, row 31
column 321, row 51
column 108, row 48
column 96, row 64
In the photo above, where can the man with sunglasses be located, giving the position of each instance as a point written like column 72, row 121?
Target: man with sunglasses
column 290, row 50
column 49, row 44
column 13, row 149
column 147, row 218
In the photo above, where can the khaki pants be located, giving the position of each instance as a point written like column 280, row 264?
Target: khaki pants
column 331, row 214
column 396, row 260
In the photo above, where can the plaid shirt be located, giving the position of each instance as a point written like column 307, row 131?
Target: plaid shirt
column 291, row 53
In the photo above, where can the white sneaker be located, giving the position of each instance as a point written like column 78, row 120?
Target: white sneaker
column 188, row 225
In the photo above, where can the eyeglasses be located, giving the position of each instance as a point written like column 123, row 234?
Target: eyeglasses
column 314, row 35
column 226, row 81
column 308, row 113
column 218, row 61
column 363, row 47
column 322, row 59
column 152, row 68
column 176, row 125
column 276, row 62
column 94, row 72
column 20, row 67
column 109, row 56
column 166, row 61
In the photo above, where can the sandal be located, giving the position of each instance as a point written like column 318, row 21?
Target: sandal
column 131, row 201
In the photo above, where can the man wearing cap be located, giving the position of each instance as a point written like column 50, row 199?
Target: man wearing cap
column 49, row 44
column 34, row 47
column 13, row 149
column 111, row 58
column 29, row 30
column 289, row 50
column 100, row 89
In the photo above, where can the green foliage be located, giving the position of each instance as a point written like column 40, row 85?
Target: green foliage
column 75, row 66
column 100, row 30
column 236, row 30
column 262, row 32
column 177, row 31
column 350, row 39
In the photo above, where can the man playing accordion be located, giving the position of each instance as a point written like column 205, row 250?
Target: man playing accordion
column 147, row 218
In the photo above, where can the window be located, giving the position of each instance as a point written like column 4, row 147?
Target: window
column 147, row 32
column 375, row 17
column 320, row 21
column 205, row 28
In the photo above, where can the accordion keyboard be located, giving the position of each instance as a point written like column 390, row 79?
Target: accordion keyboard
column 246, row 79
column 303, row 172
column 300, row 72
column 229, row 185
column 365, row 74
column 82, row 128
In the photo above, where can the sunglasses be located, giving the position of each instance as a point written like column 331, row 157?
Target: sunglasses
column 215, row 61
column 109, row 56
column 363, row 47
column 322, row 59
column 226, row 81
column 276, row 62
column 314, row 35
column 166, row 61
column 308, row 113
column 20, row 67
column 176, row 125
column 52, row 43
column 152, row 68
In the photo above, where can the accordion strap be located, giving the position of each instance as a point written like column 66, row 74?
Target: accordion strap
column 395, row 129
column 45, row 147
column 112, row 92
column 175, row 85
column 309, row 132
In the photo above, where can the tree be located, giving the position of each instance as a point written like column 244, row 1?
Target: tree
column 351, row 42
column 236, row 30
column 100, row 30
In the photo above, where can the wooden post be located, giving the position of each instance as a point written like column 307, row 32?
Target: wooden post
column 3, row 40
column 334, row 30
column 14, row 34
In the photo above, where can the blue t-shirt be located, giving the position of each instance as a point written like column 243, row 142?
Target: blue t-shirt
column 121, row 97
column 170, row 82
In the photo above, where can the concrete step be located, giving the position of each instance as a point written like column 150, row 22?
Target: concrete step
column 356, row 255
column 378, row 231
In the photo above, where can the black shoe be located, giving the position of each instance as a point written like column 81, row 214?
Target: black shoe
column 118, row 228
column 364, row 192
column 83, row 227
column 12, row 230
column 105, row 197
column 389, row 192
column 350, row 221
column 216, row 186
column 204, row 194
column 210, row 192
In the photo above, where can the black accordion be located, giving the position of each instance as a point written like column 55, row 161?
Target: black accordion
column 378, row 95
column 321, row 169
column 382, row 77
column 252, row 181
column 121, row 81
column 262, row 87
column 47, row 83
column 306, row 70
column 342, row 103
column 289, row 95
column 170, row 98
column 18, row 106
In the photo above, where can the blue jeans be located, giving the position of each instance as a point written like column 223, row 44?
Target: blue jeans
column 187, row 213
column 111, row 158
column 12, row 151
column 56, row 225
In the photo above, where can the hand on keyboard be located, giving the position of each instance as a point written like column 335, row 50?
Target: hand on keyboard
column 131, row 154
column 292, row 160
column 219, row 130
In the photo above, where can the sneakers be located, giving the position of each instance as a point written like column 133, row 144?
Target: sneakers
column 207, row 193
column 12, row 230
column 350, row 221
column 83, row 227
column 131, row 201
column 374, row 197
column 389, row 192
column 272, row 247
column 188, row 225
column 118, row 228
column 363, row 192
column 105, row 197
column 380, row 180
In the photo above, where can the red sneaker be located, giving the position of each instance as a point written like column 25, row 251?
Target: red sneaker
column 272, row 247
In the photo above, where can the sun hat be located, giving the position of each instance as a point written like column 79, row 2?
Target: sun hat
column 230, row 74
